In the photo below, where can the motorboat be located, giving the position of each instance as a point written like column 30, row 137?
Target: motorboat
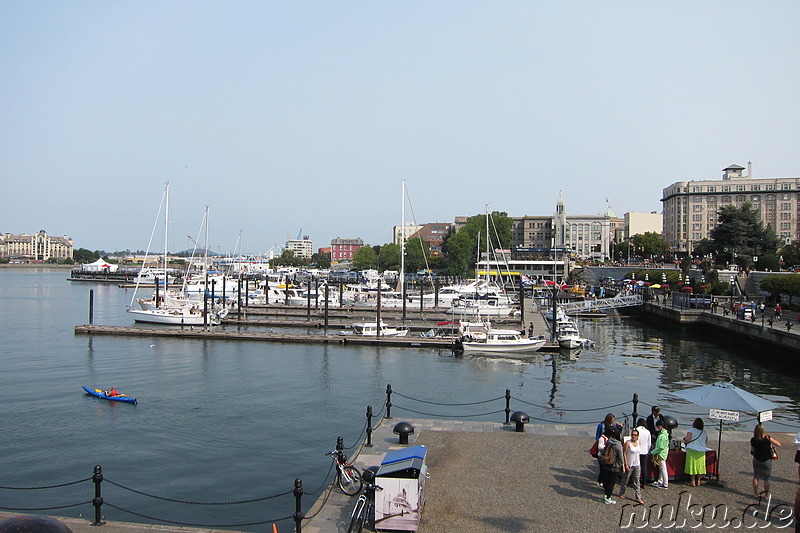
column 188, row 315
column 568, row 336
column 372, row 329
column 505, row 341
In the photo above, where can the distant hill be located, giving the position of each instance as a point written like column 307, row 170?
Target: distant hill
column 197, row 253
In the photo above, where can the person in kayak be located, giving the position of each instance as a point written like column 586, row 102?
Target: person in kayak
column 113, row 392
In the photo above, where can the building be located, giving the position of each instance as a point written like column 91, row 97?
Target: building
column 641, row 223
column 38, row 247
column 344, row 249
column 690, row 207
column 433, row 234
column 404, row 232
column 302, row 248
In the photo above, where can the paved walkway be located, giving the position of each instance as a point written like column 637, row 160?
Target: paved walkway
column 485, row 477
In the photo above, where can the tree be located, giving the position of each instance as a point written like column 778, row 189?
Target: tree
column 417, row 251
column 460, row 247
column 650, row 244
column 321, row 260
column 389, row 258
column 82, row 255
column 790, row 254
column 778, row 284
column 365, row 258
column 740, row 235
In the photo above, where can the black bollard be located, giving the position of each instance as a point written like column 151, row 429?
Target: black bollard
column 508, row 407
column 91, row 306
column 298, row 509
column 97, row 478
column 339, row 444
column 389, row 402
column 326, row 309
column 369, row 427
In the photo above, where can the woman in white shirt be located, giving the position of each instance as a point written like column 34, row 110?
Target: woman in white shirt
column 695, row 441
column 631, row 453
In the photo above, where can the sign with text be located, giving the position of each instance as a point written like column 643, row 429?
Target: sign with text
column 720, row 414
column 764, row 416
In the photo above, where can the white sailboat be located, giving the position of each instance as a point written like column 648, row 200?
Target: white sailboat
column 172, row 309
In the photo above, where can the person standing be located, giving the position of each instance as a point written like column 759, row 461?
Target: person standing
column 645, row 442
column 695, row 441
column 600, row 437
column 631, row 466
column 655, row 414
column 659, row 454
column 761, row 450
column 612, row 471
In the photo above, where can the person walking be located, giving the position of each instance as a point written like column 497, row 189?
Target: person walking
column 645, row 442
column 695, row 441
column 655, row 414
column 612, row 470
column 600, row 437
column 631, row 467
column 761, row 450
column 659, row 454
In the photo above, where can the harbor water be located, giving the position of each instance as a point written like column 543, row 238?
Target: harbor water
column 229, row 421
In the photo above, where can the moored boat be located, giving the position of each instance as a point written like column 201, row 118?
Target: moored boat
column 100, row 393
column 504, row 341
column 371, row 329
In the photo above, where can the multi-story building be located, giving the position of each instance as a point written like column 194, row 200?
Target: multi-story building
column 404, row 232
column 641, row 223
column 433, row 234
column 691, row 207
column 344, row 249
column 302, row 248
column 38, row 247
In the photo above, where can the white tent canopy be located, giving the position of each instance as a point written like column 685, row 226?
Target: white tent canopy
column 101, row 265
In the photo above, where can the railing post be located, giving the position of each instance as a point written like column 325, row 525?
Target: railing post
column 389, row 402
column 635, row 409
column 97, row 478
column 91, row 306
column 298, row 509
column 369, row 427
column 339, row 444
column 508, row 407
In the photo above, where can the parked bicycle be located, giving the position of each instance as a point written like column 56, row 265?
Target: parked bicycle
column 364, row 511
column 347, row 476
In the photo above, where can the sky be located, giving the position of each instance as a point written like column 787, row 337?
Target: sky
column 304, row 118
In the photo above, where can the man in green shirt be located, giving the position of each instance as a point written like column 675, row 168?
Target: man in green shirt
column 659, row 454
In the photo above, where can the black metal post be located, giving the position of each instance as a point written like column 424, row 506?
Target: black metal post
column 266, row 289
column 286, row 283
column 91, row 306
column 97, row 478
column 389, row 401
column 522, row 302
column 508, row 407
column 157, row 306
column 316, row 292
column 339, row 444
column 326, row 309
column 436, row 292
column 238, row 292
column 341, row 294
column 369, row 427
column 635, row 414
column 298, row 507
column 378, row 311
column 421, row 294
column 403, row 296
column 213, row 289
column 308, row 301
column 205, row 301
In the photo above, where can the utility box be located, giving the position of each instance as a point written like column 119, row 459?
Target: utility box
column 402, row 476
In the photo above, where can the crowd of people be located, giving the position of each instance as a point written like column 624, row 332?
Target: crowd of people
column 625, row 461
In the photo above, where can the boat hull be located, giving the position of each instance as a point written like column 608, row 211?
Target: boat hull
column 171, row 317
column 504, row 348
column 98, row 393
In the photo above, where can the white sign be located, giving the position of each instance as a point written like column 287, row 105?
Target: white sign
column 719, row 414
column 764, row 416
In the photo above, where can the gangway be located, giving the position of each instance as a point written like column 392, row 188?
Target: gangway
column 602, row 304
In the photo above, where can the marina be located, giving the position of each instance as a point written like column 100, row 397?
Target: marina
column 229, row 420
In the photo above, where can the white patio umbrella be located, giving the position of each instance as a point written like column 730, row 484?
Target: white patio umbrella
column 726, row 396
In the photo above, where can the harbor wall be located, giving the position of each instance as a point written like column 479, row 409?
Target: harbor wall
column 777, row 335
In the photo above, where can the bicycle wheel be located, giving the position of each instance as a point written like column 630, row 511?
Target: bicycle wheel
column 357, row 522
column 350, row 480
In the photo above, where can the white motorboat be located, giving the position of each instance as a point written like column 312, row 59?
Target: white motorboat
column 504, row 341
column 371, row 329
column 486, row 306
column 568, row 336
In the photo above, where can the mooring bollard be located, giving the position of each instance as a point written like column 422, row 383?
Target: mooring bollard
column 404, row 429
column 369, row 427
column 389, row 402
column 298, row 509
column 520, row 419
column 508, row 407
column 97, row 478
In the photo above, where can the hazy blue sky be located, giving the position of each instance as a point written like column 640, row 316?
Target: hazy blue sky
column 290, row 115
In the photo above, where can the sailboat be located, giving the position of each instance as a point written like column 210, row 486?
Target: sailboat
column 171, row 308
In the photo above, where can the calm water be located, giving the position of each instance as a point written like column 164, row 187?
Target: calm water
column 229, row 421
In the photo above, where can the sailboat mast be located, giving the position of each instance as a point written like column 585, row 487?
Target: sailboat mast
column 166, row 236
column 402, row 235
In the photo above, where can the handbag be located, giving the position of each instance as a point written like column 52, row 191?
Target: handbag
column 593, row 449
column 773, row 451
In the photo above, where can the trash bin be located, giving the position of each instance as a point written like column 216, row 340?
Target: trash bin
column 402, row 475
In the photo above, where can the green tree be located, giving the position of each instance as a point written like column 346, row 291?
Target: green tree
column 82, row 255
column 461, row 256
column 389, row 258
column 417, row 252
column 365, row 258
column 790, row 254
column 650, row 244
column 740, row 235
column 321, row 260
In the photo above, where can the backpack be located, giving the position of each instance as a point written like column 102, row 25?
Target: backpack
column 607, row 456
